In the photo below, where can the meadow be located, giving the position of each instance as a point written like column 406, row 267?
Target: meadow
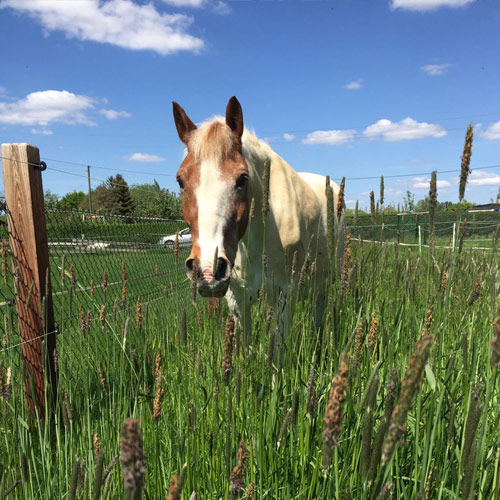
column 397, row 398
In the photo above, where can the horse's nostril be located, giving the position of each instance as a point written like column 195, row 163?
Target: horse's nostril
column 189, row 265
column 222, row 267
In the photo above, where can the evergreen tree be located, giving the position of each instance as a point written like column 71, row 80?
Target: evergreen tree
column 120, row 195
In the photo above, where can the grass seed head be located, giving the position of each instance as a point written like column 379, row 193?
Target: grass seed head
column 340, row 199
column 238, row 475
column 372, row 206
column 105, row 282
column 97, row 444
column 102, row 376
column 92, row 288
column 132, row 459
column 159, row 393
column 311, row 396
column 372, row 333
column 138, row 313
column 465, row 167
column 124, row 294
column 476, row 292
column 432, row 200
column 346, row 266
column 227, row 357
column 333, row 413
column 102, row 314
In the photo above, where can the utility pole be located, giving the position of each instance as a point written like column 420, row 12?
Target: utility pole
column 90, row 189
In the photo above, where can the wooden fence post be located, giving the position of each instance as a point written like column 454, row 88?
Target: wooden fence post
column 30, row 255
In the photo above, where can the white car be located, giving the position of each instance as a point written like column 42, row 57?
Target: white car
column 185, row 239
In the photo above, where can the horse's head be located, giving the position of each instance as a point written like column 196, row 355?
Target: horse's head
column 213, row 183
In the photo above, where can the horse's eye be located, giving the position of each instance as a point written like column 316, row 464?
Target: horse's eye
column 180, row 182
column 241, row 181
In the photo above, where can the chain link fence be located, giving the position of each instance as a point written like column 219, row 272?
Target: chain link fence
column 106, row 271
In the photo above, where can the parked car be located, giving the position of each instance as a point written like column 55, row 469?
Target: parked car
column 185, row 239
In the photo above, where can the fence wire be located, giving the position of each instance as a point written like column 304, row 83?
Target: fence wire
column 106, row 271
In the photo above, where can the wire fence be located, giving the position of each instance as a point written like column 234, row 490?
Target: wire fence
column 105, row 270
column 475, row 228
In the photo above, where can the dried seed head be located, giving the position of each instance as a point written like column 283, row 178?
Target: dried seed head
column 157, row 270
column 428, row 320
column 476, row 292
column 132, row 459
column 238, row 475
column 102, row 376
column 105, row 282
column 102, row 314
column 227, row 357
column 89, row 320
column 176, row 245
column 340, row 199
column 311, row 396
column 372, row 206
column 432, row 200
column 138, row 313
column 81, row 319
column 372, row 333
column 157, row 365
column 465, row 168
column 159, row 393
column 346, row 266
column 333, row 413
column 92, row 288
column 97, row 444
column 382, row 190
column 444, row 279
column 124, row 294
column 286, row 422
column 410, row 385
column 67, row 414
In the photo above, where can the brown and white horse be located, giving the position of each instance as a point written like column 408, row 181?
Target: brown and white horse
column 221, row 174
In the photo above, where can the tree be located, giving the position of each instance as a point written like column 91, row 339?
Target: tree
column 50, row 199
column 153, row 201
column 72, row 200
column 120, row 195
column 409, row 201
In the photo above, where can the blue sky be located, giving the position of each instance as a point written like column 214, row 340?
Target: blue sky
column 359, row 88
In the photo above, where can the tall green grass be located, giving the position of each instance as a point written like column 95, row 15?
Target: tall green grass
column 272, row 397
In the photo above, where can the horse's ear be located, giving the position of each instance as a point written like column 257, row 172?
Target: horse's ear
column 183, row 123
column 234, row 117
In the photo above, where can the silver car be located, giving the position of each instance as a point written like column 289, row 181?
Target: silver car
column 185, row 239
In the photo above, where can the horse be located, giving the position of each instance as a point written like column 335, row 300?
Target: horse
column 223, row 188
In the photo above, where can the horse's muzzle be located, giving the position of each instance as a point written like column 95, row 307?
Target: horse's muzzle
column 213, row 289
column 208, row 282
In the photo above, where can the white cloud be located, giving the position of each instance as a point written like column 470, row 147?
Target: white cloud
column 330, row 137
column 3, row 90
column 218, row 6
column 288, row 137
column 435, row 69
column 482, row 178
column 405, row 130
column 426, row 5
column 492, row 133
column 44, row 107
column 424, row 183
column 42, row 131
column 111, row 114
column 355, row 84
column 117, row 22
column 144, row 158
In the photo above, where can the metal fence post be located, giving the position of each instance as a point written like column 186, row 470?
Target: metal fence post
column 28, row 240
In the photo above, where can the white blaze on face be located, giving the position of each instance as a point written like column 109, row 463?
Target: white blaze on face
column 213, row 196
